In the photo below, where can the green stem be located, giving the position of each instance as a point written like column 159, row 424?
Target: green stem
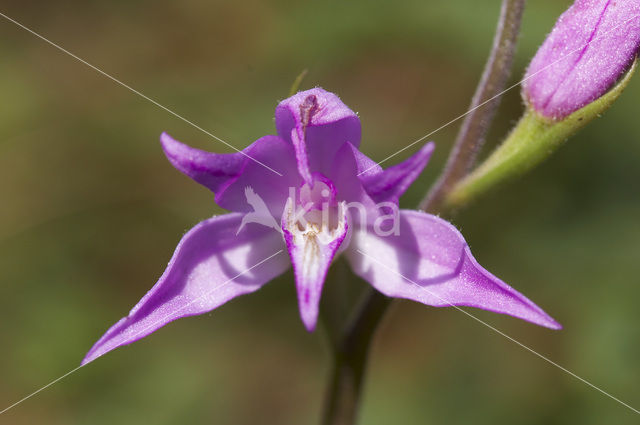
column 519, row 152
column 350, row 360
column 532, row 140
column 484, row 105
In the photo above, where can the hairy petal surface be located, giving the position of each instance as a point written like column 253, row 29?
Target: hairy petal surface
column 312, row 246
column 592, row 44
column 430, row 262
column 210, row 266
column 317, row 124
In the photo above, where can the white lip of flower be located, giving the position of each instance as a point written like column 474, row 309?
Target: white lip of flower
column 309, row 225
column 314, row 224
column 311, row 235
column 325, row 224
column 316, row 215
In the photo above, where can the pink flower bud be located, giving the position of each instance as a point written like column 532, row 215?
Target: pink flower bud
column 591, row 46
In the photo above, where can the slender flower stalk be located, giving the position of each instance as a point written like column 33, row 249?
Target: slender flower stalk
column 484, row 105
column 350, row 360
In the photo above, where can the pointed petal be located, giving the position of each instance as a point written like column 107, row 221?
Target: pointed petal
column 228, row 175
column 211, row 170
column 311, row 250
column 361, row 209
column 316, row 123
column 429, row 262
column 210, row 266
column 272, row 189
column 391, row 183
column 354, row 172
column 365, row 166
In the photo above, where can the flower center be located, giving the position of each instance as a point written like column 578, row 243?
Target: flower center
column 319, row 195
column 316, row 212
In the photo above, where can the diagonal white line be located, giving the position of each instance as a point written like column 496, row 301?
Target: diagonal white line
column 495, row 97
column 531, row 350
column 145, row 329
column 195, row 300
column 136, row 92
column 42, row 389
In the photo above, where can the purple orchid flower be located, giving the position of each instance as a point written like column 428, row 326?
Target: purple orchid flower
column 296, row 192
column 591, row 46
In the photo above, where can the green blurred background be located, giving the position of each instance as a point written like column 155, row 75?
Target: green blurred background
column 90, row 212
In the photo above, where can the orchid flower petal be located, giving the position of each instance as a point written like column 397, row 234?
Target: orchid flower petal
column 365, row 166
column 312, row 246
column 211, row 170
column 229, row 175
column 344, row 174
column 317, row 124
column 354, row 172
column 271, row 188
column 210, row 266
column 429, row 262
column 391, row 183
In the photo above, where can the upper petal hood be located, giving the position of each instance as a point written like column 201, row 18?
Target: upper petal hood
column 429, row 262
column 317, row 124
column 210, row 266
